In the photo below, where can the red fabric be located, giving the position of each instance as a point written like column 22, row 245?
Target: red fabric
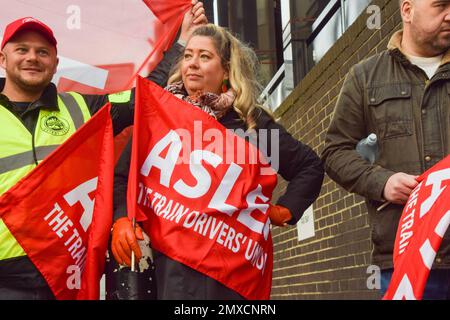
column 168, row 10
column 63, row 251
column 102, row 44
column 120, row 142
column 170, row 14
column 424, row 221
column 232, row 246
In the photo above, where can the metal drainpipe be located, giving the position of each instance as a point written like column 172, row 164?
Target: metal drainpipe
column 343, row 16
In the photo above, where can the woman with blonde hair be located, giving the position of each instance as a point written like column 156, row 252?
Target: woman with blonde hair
column 217, row 73
column 236, row 85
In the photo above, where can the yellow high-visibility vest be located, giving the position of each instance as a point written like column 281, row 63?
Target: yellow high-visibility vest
column 20, row 150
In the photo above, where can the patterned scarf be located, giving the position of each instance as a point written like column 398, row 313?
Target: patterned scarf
column 211, row 103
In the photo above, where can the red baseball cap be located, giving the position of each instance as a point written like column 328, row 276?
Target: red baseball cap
column 28, row 23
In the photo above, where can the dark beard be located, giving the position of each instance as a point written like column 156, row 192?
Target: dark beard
column 32, row 88
column 440, row 45
column 433, row 45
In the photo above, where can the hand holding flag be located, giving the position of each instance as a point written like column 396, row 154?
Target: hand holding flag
column 192, row 20
column 124, row 241
column 424, row 221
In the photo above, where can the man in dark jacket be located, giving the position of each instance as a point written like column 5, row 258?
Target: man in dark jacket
column 29, row 57
column 402, row 95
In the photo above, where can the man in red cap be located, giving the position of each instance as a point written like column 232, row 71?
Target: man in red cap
column 29, row 57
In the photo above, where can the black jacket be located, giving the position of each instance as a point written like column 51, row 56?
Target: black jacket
column 299, row 165
column 21, row 272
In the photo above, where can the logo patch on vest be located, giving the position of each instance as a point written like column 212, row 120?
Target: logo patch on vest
column 55, row 125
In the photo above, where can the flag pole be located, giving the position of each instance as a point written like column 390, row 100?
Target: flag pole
column 132, row 252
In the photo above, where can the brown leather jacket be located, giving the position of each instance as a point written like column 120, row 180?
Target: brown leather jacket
column 387, row 95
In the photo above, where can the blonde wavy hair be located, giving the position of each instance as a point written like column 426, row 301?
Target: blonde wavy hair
column 241, row 63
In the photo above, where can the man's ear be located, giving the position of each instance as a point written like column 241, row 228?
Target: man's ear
column 56, row 65
column 3, row 59
column 407, row 11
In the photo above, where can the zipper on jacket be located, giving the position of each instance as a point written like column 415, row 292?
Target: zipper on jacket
column 34, row 149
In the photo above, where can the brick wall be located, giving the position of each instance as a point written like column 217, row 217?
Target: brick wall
column 333, row 264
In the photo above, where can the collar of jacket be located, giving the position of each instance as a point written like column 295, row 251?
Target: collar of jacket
column 394, row 46
column 48, row 99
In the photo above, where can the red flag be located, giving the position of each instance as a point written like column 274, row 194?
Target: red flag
column 204, row 190
column 424, row 221
column 101, row 28
column 102, row 44
column 52, row 213
column 171, row 14
column 167, row 11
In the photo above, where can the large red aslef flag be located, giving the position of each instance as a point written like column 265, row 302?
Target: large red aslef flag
column 424, row 221
column 52, row 213
column 202, row 191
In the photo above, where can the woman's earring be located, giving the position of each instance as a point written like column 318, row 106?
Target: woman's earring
column 225, row 85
